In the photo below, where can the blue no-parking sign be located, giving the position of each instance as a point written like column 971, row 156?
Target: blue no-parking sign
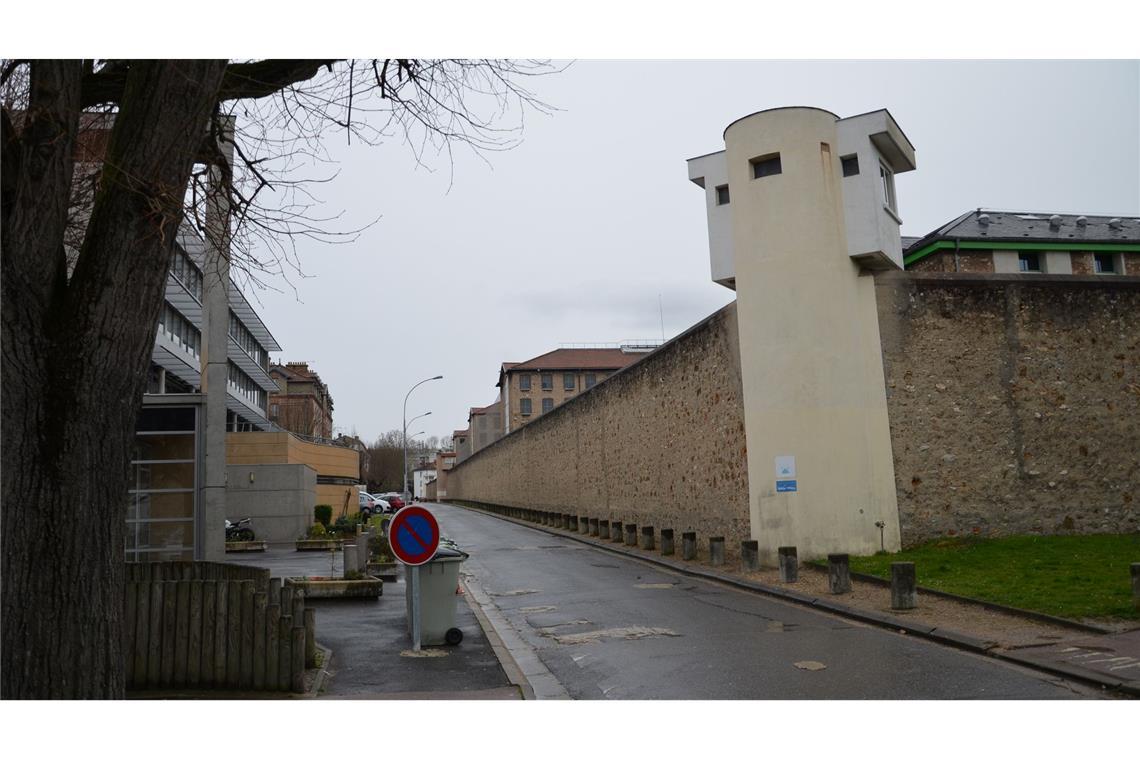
column 414, row 535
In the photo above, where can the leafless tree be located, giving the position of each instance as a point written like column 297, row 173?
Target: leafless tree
column 83, row 287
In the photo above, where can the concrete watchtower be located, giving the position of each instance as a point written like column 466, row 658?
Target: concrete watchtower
column 801, row 206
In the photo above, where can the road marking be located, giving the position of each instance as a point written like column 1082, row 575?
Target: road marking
column 653, row 585
column 515, row 592
column 541, row 608
column 810, row 665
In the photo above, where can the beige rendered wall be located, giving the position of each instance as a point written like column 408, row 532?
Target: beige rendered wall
column 660, row 443
column 810, row 360
column 1014, row 403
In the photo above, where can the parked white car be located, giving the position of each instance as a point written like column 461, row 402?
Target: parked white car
column 371, row 505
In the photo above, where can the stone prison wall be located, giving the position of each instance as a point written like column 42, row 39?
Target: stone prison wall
column 658, row 444
column 1014, row 402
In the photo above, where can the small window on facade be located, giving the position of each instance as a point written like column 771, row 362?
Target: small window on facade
column 524, row 407
column 569, row 382
column 591, row 380
column 722, row 195
column 850, row 165
column 1028, row 262
column 547, row 405
column 524, row 382
column 888, row 178
column 548, row 382
column 1104, row 263
column 766, row 166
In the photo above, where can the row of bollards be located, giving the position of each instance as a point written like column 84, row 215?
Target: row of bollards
column 903, row 579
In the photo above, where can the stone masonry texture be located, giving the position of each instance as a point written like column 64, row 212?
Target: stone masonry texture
column 1014, row 403
column 660, row 444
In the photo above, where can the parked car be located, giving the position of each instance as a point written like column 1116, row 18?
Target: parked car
column 373, row 505
column 394, row 499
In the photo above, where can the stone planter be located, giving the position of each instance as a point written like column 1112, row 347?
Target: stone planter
column 245, row 546
column 337, row 588
column 317, row 544
column 385, row 571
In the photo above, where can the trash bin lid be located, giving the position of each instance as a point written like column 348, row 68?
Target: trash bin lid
column 448, row 553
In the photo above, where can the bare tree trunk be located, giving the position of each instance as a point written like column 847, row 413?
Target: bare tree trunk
column 75, row 359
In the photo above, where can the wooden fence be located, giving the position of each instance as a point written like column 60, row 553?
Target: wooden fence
column 212, row 625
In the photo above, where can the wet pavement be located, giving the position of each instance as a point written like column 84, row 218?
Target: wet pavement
column 371, row 649
column 604, row 626
column 1114, row 658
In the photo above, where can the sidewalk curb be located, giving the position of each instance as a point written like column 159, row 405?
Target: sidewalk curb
column 946, row 637
column 506, row 659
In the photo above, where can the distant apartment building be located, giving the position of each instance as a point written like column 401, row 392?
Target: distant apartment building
column 532, row 388
column 485, row 424
column 461, row 441
column 1015, row 242
column 301, row 402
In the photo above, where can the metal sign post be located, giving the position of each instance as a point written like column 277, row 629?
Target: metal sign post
column 414, row 537
column 414, row 579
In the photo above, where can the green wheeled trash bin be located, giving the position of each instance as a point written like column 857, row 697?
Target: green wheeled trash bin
column 439, row 580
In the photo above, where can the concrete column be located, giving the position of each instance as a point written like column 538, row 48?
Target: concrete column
column 904, row 592
column 750, row 555
column 689, row 545
column 838, row 573
column 214, row 367
column 604, row 529
column 647, row 541
column 616, row 533
column 789, row 564
column 630, row 534
column 716, row 551
column 594, row 526
column 310, row 637
column 667, row 542
column 1136, row 585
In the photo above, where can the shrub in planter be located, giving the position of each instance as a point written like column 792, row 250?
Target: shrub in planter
column 317, row 530
column 323, row 514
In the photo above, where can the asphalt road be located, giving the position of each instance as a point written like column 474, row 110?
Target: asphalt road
column 609, row 627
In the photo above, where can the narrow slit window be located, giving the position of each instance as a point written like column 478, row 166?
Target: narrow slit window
column 722, row 195
column 888, row 178
column 766, row 166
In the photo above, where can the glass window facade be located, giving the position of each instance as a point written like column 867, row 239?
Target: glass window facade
column 187, row 273
column 180, row 330
column 248, row 343
column 163, row 498
column 242, row 385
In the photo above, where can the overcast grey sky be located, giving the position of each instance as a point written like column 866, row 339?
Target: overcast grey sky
column 572, row 236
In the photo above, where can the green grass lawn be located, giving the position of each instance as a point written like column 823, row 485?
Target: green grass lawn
column 1069, row 576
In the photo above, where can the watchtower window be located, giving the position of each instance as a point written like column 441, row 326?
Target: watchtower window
column 766, row 166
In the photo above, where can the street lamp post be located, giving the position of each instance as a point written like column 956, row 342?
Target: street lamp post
column 409, row 393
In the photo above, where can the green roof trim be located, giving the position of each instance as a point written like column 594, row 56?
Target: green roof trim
column 1003, row 245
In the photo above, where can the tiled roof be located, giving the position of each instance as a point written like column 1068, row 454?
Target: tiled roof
column 579, row 358
column 1042, row 227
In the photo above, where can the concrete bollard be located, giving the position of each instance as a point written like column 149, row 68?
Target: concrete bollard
column 838, row 573
column 689, row 545
column 566, row 525
column 750, row 555
column 667, row 542
column 616, row 534
column 647, row 541
column 716, row 551
column 904, row 592
column 594, row 526
column 584, row 526
column 1136, row 585
column 348, row 552
column 631, row 534
column 604, row 529
column 789, row 564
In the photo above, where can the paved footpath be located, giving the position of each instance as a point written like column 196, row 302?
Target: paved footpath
column 1114, row 658
column 371, row 657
